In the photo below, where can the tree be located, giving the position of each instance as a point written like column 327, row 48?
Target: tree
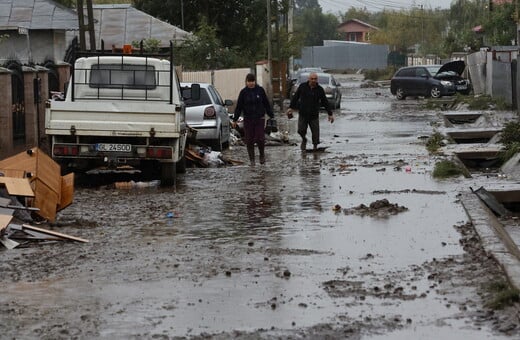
column 314, row 26
column 204, row 51
column 500, row 26
column 356, row 13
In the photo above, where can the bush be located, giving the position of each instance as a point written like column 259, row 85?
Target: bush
column 445, row 169
column 434, row 142
column 377, row 74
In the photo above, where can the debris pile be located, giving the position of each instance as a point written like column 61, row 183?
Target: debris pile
column 379, row 208
column 32, row 190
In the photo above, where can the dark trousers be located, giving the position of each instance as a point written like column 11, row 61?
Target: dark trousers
column 254, row 131
column 314, row 124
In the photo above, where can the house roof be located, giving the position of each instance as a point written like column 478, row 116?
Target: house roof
column 121, row 24
column 36, row 15
column 359, row 22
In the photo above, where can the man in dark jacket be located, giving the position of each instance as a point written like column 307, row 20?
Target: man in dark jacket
column 308, row 99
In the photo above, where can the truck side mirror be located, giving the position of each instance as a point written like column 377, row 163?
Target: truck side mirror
column 195, row 91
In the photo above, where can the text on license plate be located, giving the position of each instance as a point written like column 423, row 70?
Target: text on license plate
column 110, row 147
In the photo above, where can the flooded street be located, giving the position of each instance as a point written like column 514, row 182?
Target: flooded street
column 281, row 250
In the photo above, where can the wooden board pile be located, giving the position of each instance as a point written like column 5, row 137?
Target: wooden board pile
column 31, row 186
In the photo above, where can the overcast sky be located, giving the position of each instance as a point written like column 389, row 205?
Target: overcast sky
column 333, row 6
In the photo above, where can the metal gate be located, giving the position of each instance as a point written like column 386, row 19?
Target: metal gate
column 17, row 102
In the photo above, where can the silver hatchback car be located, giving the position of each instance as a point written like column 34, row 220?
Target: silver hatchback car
column 208, row 115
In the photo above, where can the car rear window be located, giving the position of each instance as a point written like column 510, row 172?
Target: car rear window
column 126, row 76
column 203, row 100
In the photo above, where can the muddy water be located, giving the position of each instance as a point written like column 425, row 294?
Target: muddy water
column 268, row 250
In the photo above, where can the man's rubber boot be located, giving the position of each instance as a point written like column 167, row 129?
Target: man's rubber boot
column 251, row 153
column 261, row 150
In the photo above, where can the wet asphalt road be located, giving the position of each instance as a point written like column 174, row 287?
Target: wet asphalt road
column 267, row 251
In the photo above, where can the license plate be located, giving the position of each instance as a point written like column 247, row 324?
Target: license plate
column 110, row 147
column 462, row 87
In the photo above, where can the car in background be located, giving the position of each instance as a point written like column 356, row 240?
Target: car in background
column 328, row 82
column 208, row 115
column 432, row 81
column 295, row 76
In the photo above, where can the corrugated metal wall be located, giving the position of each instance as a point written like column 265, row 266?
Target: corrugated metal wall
column 341, row 56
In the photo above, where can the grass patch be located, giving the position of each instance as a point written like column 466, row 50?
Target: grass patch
column 380, row 74
column 510, row 137
column 435, row 142
column 503, row 295
column 446, row 169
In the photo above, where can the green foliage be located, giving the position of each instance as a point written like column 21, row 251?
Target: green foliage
column 480, row 103
column 509, row 151
column 500, row 26
column 446, row 168
column 315, row 26
column 377, row 74
column 204, row 51
column 510, row 134
column 503, row 295
column 239, row 25
column 405, row 29
column 435, row 142
column 149, row 45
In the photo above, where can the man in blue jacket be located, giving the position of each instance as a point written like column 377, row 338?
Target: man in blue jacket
column 308, row 100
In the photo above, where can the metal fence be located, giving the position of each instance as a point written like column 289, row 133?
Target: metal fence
column 343, row 55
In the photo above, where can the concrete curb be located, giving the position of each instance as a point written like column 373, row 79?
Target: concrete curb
column 495, row 239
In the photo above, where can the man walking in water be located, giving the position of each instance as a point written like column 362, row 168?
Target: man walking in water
column 308, row 99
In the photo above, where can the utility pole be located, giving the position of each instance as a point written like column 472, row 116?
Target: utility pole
column 83, row 28
column 269, row 86
column 517, row 24
column 290, row 29
column 182, row 14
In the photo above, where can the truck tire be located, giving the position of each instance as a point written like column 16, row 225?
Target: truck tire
column 181, row 165
column 168, row 174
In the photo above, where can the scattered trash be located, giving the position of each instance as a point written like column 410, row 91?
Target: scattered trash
column 204, row 157
column 137, row 185
column 380, row 208
column 170, row 215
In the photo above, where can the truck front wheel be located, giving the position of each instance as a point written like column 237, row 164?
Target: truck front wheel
column 168, row 174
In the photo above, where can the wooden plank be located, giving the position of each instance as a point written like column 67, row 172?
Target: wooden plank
column 54, row 233
column 46, row 200
column 67, row 191
column 4, row 221
column 13, row 173
column 20, row 161
column 48, row 172
column 17, row 186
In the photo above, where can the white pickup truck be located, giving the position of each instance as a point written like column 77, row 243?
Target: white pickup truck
column 120, row 111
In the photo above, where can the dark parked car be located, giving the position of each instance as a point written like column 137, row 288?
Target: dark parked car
column 430, row 80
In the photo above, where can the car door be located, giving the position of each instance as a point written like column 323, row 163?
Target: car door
column 222, row 112
column 405, row 79
column 421, row 83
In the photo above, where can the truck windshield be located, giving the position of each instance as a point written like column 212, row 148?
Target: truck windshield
column 126, row 76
